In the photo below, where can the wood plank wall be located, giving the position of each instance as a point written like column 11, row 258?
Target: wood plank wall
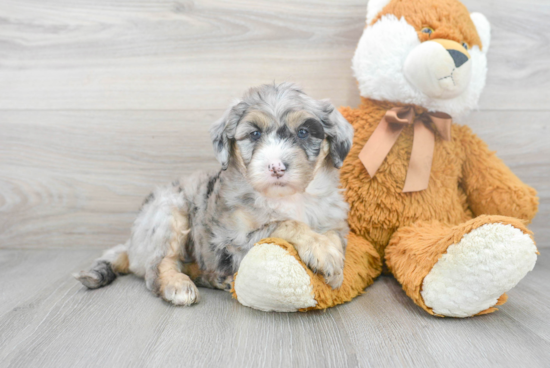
column 101, row 100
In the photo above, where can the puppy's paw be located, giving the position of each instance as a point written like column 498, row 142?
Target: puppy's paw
column 326, row 258
column 225, row 282
column 180, row 290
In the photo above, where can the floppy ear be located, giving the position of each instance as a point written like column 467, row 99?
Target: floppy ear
column 374, row 7
column 222, row 132
column 483, row 28
column 339, row 133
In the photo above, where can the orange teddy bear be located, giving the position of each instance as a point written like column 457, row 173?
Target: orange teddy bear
column 427, row 198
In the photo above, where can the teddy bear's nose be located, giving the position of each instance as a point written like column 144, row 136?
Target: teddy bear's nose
column 458, row 57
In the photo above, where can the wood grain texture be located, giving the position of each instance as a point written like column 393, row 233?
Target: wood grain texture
column 47, row 319
column 168, row 54
column 76, row 179
column 172, row 54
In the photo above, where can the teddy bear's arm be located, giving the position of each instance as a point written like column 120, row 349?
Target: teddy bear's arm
column 492, row 188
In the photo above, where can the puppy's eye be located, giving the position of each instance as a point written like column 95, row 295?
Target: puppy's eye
column 255, row 135
column 465, row 45
column 303, row 133
column 427, row 30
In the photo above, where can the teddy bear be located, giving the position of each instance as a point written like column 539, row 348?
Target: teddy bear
column 429, row 202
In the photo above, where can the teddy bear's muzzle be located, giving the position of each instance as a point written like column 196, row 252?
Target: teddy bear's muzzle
column 439, row 68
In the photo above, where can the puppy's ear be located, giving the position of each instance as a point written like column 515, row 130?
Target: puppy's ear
column 222, row 132
column 339, row 132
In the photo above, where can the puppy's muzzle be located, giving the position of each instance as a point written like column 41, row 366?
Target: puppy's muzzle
column 277, row 168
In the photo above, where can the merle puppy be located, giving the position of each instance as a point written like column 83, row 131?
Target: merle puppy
column 280, row 151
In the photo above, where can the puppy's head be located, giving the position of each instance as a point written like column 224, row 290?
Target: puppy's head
column 278, row 138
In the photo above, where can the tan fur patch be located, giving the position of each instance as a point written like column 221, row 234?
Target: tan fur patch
column 191, row 269
column 262, row 120
column 243, row 220
column 321, row 160
column 236, row 154
column 169, row 271
column 121, row 264
column 296, row 118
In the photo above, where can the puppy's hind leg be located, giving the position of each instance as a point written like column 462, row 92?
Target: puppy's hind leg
column 174, row 286
column 106, row 268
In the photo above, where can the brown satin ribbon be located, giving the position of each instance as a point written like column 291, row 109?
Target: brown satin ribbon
column 388, row 130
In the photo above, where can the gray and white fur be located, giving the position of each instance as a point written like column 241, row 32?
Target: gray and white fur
column 280, row 151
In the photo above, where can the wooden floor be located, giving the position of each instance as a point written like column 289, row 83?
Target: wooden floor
column 101, row 100
column 49, row 320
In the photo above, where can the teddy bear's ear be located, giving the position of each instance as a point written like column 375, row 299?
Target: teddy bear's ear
column 374, row 7
column 483, row 30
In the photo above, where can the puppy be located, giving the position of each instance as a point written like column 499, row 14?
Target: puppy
column 280, row 152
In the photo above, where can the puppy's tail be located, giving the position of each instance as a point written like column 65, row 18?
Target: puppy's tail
column 105, row 269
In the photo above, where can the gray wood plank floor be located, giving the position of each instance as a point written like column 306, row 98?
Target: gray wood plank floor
column 47, row 319
column 102, row 100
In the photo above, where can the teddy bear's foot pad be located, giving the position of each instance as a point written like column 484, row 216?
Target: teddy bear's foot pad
column 270, row 279
column 474, row 273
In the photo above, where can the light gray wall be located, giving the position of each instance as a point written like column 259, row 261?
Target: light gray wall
column 101, row 100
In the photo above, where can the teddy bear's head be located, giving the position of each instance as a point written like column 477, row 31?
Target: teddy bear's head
column 430, row 53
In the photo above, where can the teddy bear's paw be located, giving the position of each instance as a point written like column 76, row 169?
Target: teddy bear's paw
column 270, row 279
column 474, row 273
column 322, row 256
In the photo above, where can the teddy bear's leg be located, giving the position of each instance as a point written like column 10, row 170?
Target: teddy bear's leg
column 464, row 270
column 272, row 277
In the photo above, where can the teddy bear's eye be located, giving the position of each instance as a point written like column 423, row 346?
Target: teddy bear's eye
column 465, row 45
column 427, row 30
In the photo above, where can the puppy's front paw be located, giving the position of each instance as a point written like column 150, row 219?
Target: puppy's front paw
column 326, row 258
column 180, row 290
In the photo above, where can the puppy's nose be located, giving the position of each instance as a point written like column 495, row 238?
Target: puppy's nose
column 277, row 168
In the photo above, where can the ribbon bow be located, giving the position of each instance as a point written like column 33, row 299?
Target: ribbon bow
column 385, row 135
